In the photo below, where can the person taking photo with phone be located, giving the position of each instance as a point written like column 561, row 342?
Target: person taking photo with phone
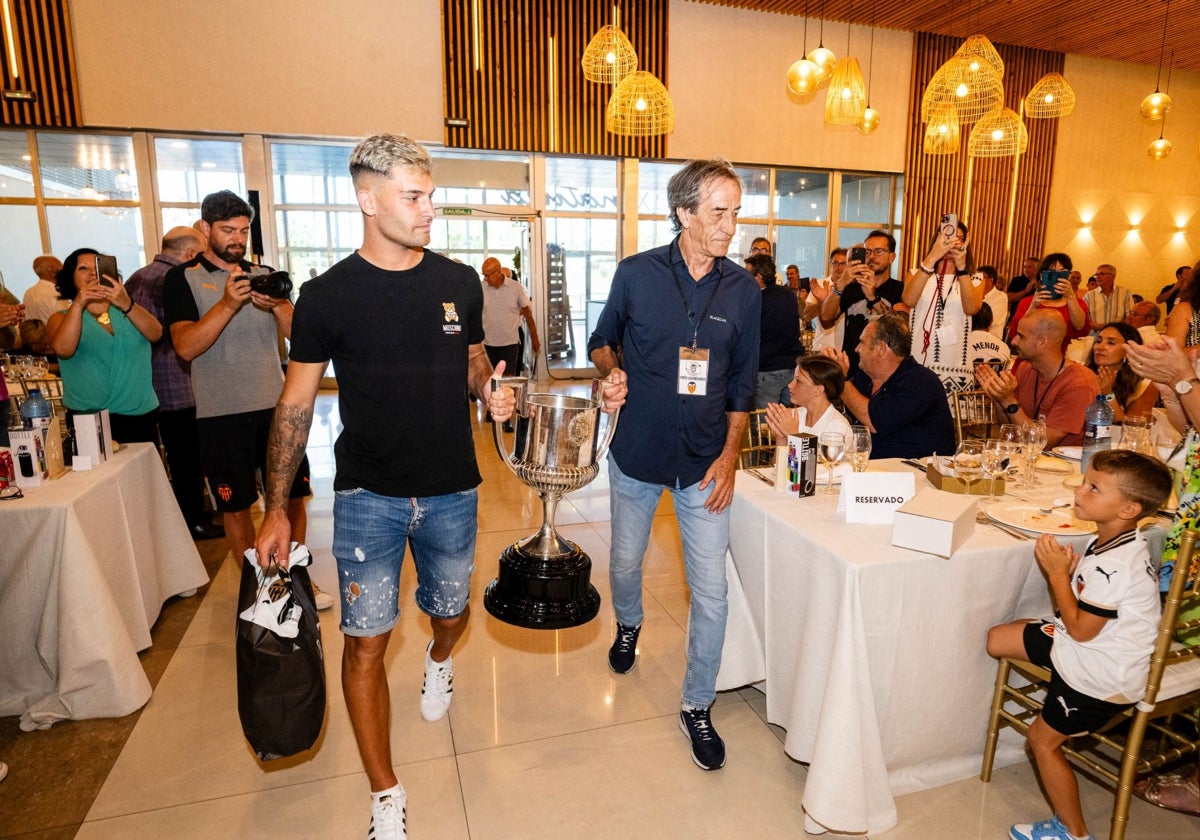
column 1058, row 295
column 865, row 292
column 102, row 340
column 942, row 299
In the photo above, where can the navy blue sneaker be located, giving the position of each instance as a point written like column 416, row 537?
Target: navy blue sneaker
column 622, row 656
column 708, row 750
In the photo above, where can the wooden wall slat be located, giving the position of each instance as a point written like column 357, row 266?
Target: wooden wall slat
column 46, row 60
column 936, row 184
column 508, row 101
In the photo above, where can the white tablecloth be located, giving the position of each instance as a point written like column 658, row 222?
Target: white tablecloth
column 86, row 562
column 873, row 656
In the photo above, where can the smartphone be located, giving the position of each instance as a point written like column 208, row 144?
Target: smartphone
column 804, row 284
column 948, row 227
column 106, row 265
column 858, row 254
column 1050, row 279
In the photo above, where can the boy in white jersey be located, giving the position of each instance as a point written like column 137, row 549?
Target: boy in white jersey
column 1099, row 644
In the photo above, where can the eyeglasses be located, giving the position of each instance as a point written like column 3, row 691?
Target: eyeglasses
column 837, row 262
column 878, row 252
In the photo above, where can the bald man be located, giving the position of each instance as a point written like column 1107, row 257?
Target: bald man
column 1045, row 382
column 504, row 305
column 173, row 385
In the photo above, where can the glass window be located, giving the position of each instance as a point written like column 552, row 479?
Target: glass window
column 581, row 257
column 112, row 230
column 315, row 239
column 16, row 168
column 91, row 167
column 310, row 173
column 474, row 240
column 801, row 196
column 188, row 170
column 652, row 189
column 866, row 199
column 739, row 249
column 652, row 233
column 464, row 178
column 803, row 247
column 20, row 243
column 581, row 185
column 756, row 192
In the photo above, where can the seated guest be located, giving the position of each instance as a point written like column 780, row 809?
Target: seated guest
column 816, row 385
column 1144, row 317
column 984, row 346
column 902, row 402
column 1065, row 301
column 103, row 345
column 1131, row 394
column 1044, row 381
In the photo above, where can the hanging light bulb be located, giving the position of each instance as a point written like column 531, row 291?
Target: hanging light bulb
column 869, row 121
column 1156, row 105
column 1159, row 148
column 803, row 78
column 821, row 56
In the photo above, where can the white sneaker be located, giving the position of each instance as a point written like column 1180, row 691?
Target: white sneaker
column 323, row 600
column 389, row 817
column 439, row 686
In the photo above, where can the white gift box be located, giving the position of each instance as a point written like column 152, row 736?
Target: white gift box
column 935, row 522
column 93, row 435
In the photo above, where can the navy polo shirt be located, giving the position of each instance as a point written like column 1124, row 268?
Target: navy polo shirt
column 653, row 309
column 910, row 413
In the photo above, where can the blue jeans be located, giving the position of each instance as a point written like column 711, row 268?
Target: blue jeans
column 369, row 535
column 705, row 539
column 772, row 387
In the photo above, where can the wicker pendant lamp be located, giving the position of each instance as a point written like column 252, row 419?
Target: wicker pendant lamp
column 609, row 57
column 847, row 97
column 942, row 132
column 1051, row 97
column 972, row 87
column 979, row 48
column 998, row 134
column 640, row 107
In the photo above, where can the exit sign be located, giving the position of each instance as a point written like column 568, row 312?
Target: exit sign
column 456, row 211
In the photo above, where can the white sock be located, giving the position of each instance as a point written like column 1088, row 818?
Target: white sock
column 397, row 790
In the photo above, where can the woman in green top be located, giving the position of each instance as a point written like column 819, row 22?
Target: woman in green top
column 103, row 345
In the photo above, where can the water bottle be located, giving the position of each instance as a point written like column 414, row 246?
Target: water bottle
column 1097, row 431
column 36, row 410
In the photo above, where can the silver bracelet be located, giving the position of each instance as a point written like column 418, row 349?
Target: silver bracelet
column 928, row 271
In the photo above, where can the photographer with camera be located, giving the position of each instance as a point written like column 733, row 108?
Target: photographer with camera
column 864, row 292
column 224, row 315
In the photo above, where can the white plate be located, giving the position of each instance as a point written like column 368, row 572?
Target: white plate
column 1030, row 518
column 1075, row 453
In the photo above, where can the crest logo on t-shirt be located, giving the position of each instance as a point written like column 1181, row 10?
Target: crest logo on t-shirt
column 451, row 313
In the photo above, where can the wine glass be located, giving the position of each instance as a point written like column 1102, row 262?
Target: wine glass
column 832, row 446
column 858, row 444
column 968, row 462
column 1033, row 441
column 995, row 458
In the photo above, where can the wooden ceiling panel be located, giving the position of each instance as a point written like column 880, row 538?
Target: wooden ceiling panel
column 1122, row 31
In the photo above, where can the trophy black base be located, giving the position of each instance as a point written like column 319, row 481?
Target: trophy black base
column 543, row 594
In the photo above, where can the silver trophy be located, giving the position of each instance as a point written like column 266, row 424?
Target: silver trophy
column 544, row 579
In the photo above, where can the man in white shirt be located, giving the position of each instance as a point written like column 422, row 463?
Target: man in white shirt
column 994, row 298
column 41, row 299
column 820, row 288
column 1108, row 302
column 504, row 305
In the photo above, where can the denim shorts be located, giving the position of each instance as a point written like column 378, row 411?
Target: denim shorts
column 369, row 536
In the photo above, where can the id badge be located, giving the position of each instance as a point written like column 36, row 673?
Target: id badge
column 693, row 371
column 947, row 334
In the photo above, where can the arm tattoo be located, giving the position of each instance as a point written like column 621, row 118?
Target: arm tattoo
column 285, row 450
column 479, row 371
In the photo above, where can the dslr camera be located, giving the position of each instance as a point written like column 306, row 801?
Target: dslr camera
column 274, row 284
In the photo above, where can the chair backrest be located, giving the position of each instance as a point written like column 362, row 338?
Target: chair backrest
column 1180, row 623
column 758, row 446
column 974, row 414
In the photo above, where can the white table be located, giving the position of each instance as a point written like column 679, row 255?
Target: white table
column 86, row 563
column 873, row 656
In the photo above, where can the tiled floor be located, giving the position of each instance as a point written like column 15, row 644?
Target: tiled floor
column 542, row 740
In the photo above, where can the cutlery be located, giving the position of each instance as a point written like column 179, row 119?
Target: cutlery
column 761, row 477
column 1057, row 503
column 913, row 463
column 1012, row 532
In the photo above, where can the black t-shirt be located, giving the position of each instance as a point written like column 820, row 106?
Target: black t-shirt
column 1170, row 301
column 1020, row 283
column 399, row 343
column 854, row 303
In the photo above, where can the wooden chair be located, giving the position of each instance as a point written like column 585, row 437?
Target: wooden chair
column 974, row 415
column 1169, row 710
column 758, row 446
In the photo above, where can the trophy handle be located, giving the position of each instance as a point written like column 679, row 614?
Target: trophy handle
column 519, row 385
column 610, row 426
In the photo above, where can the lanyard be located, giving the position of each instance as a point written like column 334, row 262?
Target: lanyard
column 720, row 267
column 1037, row 380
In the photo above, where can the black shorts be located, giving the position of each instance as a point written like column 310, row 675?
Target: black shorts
column 233, row 446
column 1065, row 710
